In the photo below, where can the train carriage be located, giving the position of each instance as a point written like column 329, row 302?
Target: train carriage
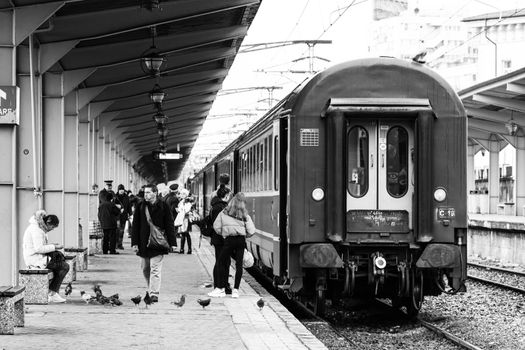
column 356, row 182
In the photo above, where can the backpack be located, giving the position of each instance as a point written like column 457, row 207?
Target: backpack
column 206, row 226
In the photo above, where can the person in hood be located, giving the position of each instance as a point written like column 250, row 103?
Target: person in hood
column 36, row 246
column 234, row 224
column 218, row 203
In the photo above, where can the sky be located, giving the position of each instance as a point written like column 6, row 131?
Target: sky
column 346, row 23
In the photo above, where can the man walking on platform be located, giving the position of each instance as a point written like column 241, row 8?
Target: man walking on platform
column 149, row 212
column 108, row 213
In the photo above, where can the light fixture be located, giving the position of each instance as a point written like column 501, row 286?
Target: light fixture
column 151, row 60
column 160, row 118
column 157, row 95
column 150, row 4
column 162, row 130
column 512, row 127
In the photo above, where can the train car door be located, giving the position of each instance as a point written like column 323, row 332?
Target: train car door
column 380, row 178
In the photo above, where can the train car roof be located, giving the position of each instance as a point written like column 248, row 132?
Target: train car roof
column 376, row 78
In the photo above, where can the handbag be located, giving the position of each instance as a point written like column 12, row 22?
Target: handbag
column 247, row 259
column 55, row 259
column 157, row 239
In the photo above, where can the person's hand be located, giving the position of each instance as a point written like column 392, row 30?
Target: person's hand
column 58, row 246
column 135, row 248
column 119, row 206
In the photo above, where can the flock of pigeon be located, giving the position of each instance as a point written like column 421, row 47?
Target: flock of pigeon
column 115, row 301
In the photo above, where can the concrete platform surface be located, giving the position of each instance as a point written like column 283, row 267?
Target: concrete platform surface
column 225, row 324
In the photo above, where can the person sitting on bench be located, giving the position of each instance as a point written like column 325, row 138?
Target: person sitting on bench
column 36, row 248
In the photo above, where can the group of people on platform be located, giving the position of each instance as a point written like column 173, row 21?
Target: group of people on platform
column 173, row 214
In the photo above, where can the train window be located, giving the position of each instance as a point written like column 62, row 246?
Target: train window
column 261, row 166
column 270, row 167
column 397, row 161
column 276, row 163
column 265, row 160
column 358, row 154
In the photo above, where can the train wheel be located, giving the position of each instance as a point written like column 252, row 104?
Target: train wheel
column 320, row 302
column 415, row 301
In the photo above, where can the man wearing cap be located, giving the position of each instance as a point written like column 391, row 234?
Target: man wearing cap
column 122, row 199
column 172, row 200
column 108, row 188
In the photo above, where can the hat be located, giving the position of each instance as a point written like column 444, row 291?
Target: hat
column 174, row 187
column 120, row 187
column 109, row 182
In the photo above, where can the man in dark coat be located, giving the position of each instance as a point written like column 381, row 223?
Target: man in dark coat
column 108, row 188
column 107, row 215
column 218, row 203
column 172, row 200
column 161, row 217
column 122, row 199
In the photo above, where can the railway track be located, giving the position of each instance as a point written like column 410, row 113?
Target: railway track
column 496, row 283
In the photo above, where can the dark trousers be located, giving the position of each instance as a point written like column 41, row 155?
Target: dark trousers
column 232, row 245
column 185, row 235
column 109, row 242
column 120, row 232
column 218, row 250
column 59, row 273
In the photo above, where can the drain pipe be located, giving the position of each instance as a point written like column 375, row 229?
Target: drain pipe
column 36, row 187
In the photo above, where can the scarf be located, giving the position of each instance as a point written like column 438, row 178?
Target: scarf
column 39, row 217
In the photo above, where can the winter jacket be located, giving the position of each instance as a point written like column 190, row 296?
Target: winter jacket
column 161, row 217
column 173, row 202
column 35, row 245
column 217, row 206
column 108, row 214
column 226, row 225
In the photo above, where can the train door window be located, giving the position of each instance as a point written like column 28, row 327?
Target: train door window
column 261, row 166
column 270, row 162
column 265, row 164
column 397, row 161
column 358, row 161
column 276, row 163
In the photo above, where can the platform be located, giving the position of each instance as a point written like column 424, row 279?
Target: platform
column 495, row 221
column 225, row 324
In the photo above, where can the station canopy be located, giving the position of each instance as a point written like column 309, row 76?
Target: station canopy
column 496, row 111
column 100, row 43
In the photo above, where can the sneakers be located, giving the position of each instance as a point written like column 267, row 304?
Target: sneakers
column 217, row 293
column 55, row 298
column 235, row 293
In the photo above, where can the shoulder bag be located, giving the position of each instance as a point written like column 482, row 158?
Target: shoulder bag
column 157, row 239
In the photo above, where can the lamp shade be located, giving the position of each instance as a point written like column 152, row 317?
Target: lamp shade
column 157, row 94
column 151, row 61
column 160, row 118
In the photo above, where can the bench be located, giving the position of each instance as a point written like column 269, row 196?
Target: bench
column 11, row 308
column 82, row 257
column 71, row 276
column 36, row 283
column 95, row 244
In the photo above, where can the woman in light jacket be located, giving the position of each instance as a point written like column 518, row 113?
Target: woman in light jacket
column 234, row 224
column 35, row 248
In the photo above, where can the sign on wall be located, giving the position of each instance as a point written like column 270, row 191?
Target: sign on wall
column 9, row 104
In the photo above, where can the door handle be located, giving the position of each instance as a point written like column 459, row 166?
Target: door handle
column 371, row 161
column 382, row 160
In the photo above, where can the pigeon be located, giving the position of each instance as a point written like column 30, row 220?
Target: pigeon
column 115, row 301
column 136, row 300
column 68, row 289
column 181, row 301
column 260, row 303
column 204, row 302
column 97, row 290
column 147, row 300
column 114, row 296
column 86, row 297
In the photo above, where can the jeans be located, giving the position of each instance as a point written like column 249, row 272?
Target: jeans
column 218, row 250
column 151, row 269
column 232, row 245
column 185, row 235
column 109, row 242
column 59, row 273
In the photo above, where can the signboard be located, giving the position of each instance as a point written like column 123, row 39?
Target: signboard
column 9, row 106
column 446, row 213
column 166, row 156
column 361, row 221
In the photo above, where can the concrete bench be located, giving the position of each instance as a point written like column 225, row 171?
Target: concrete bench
column 95, row 244
column 11, row 308
column 82, row 257
column 71, row 276
column 36, row 282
